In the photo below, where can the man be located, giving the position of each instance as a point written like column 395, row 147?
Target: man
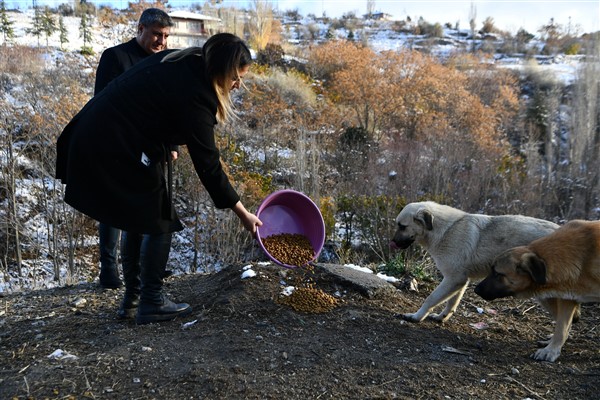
column 153, row 31
column 154, row 27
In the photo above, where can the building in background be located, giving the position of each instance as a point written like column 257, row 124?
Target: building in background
column 191, row 29
column 378, row 16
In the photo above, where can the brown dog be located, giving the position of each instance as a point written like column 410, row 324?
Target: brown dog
column 561, row 270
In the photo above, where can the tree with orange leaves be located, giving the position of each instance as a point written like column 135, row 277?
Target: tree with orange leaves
column 410, row 94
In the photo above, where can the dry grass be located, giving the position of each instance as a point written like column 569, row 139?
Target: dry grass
column 20, row 59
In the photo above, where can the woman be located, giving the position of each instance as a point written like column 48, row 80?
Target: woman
column 114, row 152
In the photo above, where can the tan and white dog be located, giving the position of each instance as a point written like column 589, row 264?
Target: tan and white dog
column 462, row 245
column 561, row 270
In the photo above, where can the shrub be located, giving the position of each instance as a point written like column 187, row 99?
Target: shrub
column 87, row 51
column 20, row 60
column 367, row 222
column 271, row 55
column 573, row 49
column 327, row 207
column 413, row 262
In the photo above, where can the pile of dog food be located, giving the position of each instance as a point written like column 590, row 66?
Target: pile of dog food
column 309, row 300
column 295, row 249
column 305, row 296
column 289, row 248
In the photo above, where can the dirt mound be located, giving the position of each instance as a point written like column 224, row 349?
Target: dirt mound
column 242, row 342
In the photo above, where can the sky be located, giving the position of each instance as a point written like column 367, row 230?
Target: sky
column 508, row 15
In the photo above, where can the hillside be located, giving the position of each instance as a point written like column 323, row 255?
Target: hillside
column 40, row 271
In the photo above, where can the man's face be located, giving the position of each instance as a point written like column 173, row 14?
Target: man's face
column 153, row 38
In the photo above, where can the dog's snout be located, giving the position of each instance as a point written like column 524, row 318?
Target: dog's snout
column 479, row 290
column 488, row 289
column 482, row 292
column 402, row 242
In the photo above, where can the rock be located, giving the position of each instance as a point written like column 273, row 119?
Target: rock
column 367, row 284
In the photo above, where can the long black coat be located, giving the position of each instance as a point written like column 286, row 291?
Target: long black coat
column 116, row 60
column 111, row 156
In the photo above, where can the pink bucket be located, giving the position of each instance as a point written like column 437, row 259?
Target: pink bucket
column 289, row 211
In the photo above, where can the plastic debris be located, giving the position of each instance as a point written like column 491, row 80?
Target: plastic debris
column 479, row 325
column 188, row 325
column 79, row 302
column 413, row 286
column 450, row 349
column 60, row 354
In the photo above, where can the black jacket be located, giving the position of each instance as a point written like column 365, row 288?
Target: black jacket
column 116, row 60
column 112, row 154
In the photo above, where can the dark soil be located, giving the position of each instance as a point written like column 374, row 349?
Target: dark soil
column 247, row 345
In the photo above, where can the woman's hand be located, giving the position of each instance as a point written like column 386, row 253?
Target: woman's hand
column 249, row 220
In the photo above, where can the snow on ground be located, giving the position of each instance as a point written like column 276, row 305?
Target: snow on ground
column 381, row 39
column 22, row 22
column 563, row 68
column 39, row 273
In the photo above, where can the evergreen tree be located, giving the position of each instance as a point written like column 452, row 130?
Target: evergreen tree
column 63, row 32
column 85, row 32
column 36, row 25
column 523, row 38
column 350, row 36
column 330, row 34
column 48, row 24
column 6, row 25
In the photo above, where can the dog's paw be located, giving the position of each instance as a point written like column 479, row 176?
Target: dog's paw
column 441, row 318
column 545, row 342
column 410, row 317
column 546, row 354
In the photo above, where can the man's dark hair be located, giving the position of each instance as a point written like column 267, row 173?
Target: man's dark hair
column 152, row 16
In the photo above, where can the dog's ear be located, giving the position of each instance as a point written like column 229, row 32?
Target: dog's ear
column 425, row 218
column 534, row 266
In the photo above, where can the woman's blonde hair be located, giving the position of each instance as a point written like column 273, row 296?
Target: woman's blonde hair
column 224, row 56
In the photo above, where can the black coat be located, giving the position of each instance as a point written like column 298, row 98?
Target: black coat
column 111, row 156
column 116, row 60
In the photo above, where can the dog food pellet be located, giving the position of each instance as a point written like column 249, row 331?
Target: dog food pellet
column 310, row 300
column 289, row 248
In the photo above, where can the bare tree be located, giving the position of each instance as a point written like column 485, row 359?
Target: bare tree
column 585, row 134
column 260, row 24
column 488, row 25
column 9, row 175
column 232, row 20
column 473, row 23
column 370, row 7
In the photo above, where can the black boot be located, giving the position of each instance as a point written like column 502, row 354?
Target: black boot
column 130, row 258
column 128, row 307
column 109, row 273
column 109, row 278
column 154, row 305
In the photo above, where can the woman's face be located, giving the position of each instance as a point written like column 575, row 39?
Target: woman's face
column 236, row 83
